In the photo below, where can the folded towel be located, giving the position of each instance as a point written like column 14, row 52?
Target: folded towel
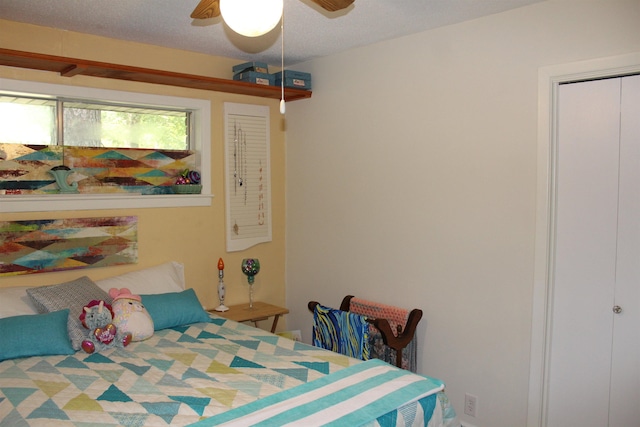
column 341, row 332
column 395, row 316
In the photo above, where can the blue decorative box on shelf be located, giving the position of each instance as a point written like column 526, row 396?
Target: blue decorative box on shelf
column 258, row 67
column 293, row 79
column 254, row 77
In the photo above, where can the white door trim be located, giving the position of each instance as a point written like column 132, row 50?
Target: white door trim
column 549, row 78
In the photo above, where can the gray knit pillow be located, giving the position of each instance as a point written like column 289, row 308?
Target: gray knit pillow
column 73, row 295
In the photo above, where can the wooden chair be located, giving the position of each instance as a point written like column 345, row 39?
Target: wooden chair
column 398, row 341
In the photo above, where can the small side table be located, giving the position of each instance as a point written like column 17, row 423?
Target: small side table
column 260, row 311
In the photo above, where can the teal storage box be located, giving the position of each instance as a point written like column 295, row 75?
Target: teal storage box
column 257, row 78
column 294, row 79
column 258, row 67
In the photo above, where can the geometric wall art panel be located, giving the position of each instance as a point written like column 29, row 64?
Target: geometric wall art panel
column 45, row 245
column 24, row 169
column 127, row 170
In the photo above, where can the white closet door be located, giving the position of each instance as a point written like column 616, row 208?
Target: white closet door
column 585, row 254
column 625, row 371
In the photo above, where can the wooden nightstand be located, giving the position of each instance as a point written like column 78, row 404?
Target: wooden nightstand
column 260, row 311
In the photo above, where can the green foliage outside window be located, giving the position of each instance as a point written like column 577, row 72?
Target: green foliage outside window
column 34, row 121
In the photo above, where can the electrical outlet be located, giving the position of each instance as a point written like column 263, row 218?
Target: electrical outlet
column 470, row 404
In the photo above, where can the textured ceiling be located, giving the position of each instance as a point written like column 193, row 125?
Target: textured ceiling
column 310, row 32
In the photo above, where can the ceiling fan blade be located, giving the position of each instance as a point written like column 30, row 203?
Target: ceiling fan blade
column 206, row 9
column 333, row 5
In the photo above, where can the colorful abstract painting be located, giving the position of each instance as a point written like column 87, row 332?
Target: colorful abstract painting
column 64, row 244
column 24, row 169
column 127, row 170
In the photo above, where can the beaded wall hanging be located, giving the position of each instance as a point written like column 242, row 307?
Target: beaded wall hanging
column 248, row 186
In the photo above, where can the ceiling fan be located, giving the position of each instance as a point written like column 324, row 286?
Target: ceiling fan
column 211, row 8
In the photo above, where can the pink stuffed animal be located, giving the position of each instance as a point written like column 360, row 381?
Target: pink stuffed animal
column 103, row 334
column 129, row 315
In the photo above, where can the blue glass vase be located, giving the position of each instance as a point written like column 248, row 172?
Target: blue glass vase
column 250, row 267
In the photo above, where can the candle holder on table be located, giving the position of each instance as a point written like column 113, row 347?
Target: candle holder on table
column 250, row 267
column 221, row 289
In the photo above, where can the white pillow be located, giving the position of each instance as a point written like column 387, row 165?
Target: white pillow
column 163, row 278
column 14, row 301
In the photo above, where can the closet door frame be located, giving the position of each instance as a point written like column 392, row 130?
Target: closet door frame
column 549, row 79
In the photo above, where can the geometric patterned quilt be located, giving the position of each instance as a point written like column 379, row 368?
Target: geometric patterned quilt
column 372, row 394
column 177, row 377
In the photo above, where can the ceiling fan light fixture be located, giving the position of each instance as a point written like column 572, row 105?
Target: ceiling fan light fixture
column 251, row 18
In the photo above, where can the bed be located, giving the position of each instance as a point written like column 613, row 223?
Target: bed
column 209, row 372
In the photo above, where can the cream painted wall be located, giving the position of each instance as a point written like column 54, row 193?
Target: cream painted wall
column 411, row 179
column 194, row 236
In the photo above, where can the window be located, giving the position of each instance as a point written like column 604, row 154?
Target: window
column 35, row 120
column 79, row 125
column 27, row 120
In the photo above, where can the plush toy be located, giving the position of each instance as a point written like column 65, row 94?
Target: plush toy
column 98, row 318
column 129, row 315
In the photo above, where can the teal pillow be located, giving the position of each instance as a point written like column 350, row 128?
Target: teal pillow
column 35, row 335
column 174, row 309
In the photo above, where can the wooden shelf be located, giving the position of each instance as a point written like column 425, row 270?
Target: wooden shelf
column 70, row 67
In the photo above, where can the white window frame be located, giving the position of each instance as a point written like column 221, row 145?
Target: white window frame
column 65, row 202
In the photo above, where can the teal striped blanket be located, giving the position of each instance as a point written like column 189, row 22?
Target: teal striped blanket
column 372, row 393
